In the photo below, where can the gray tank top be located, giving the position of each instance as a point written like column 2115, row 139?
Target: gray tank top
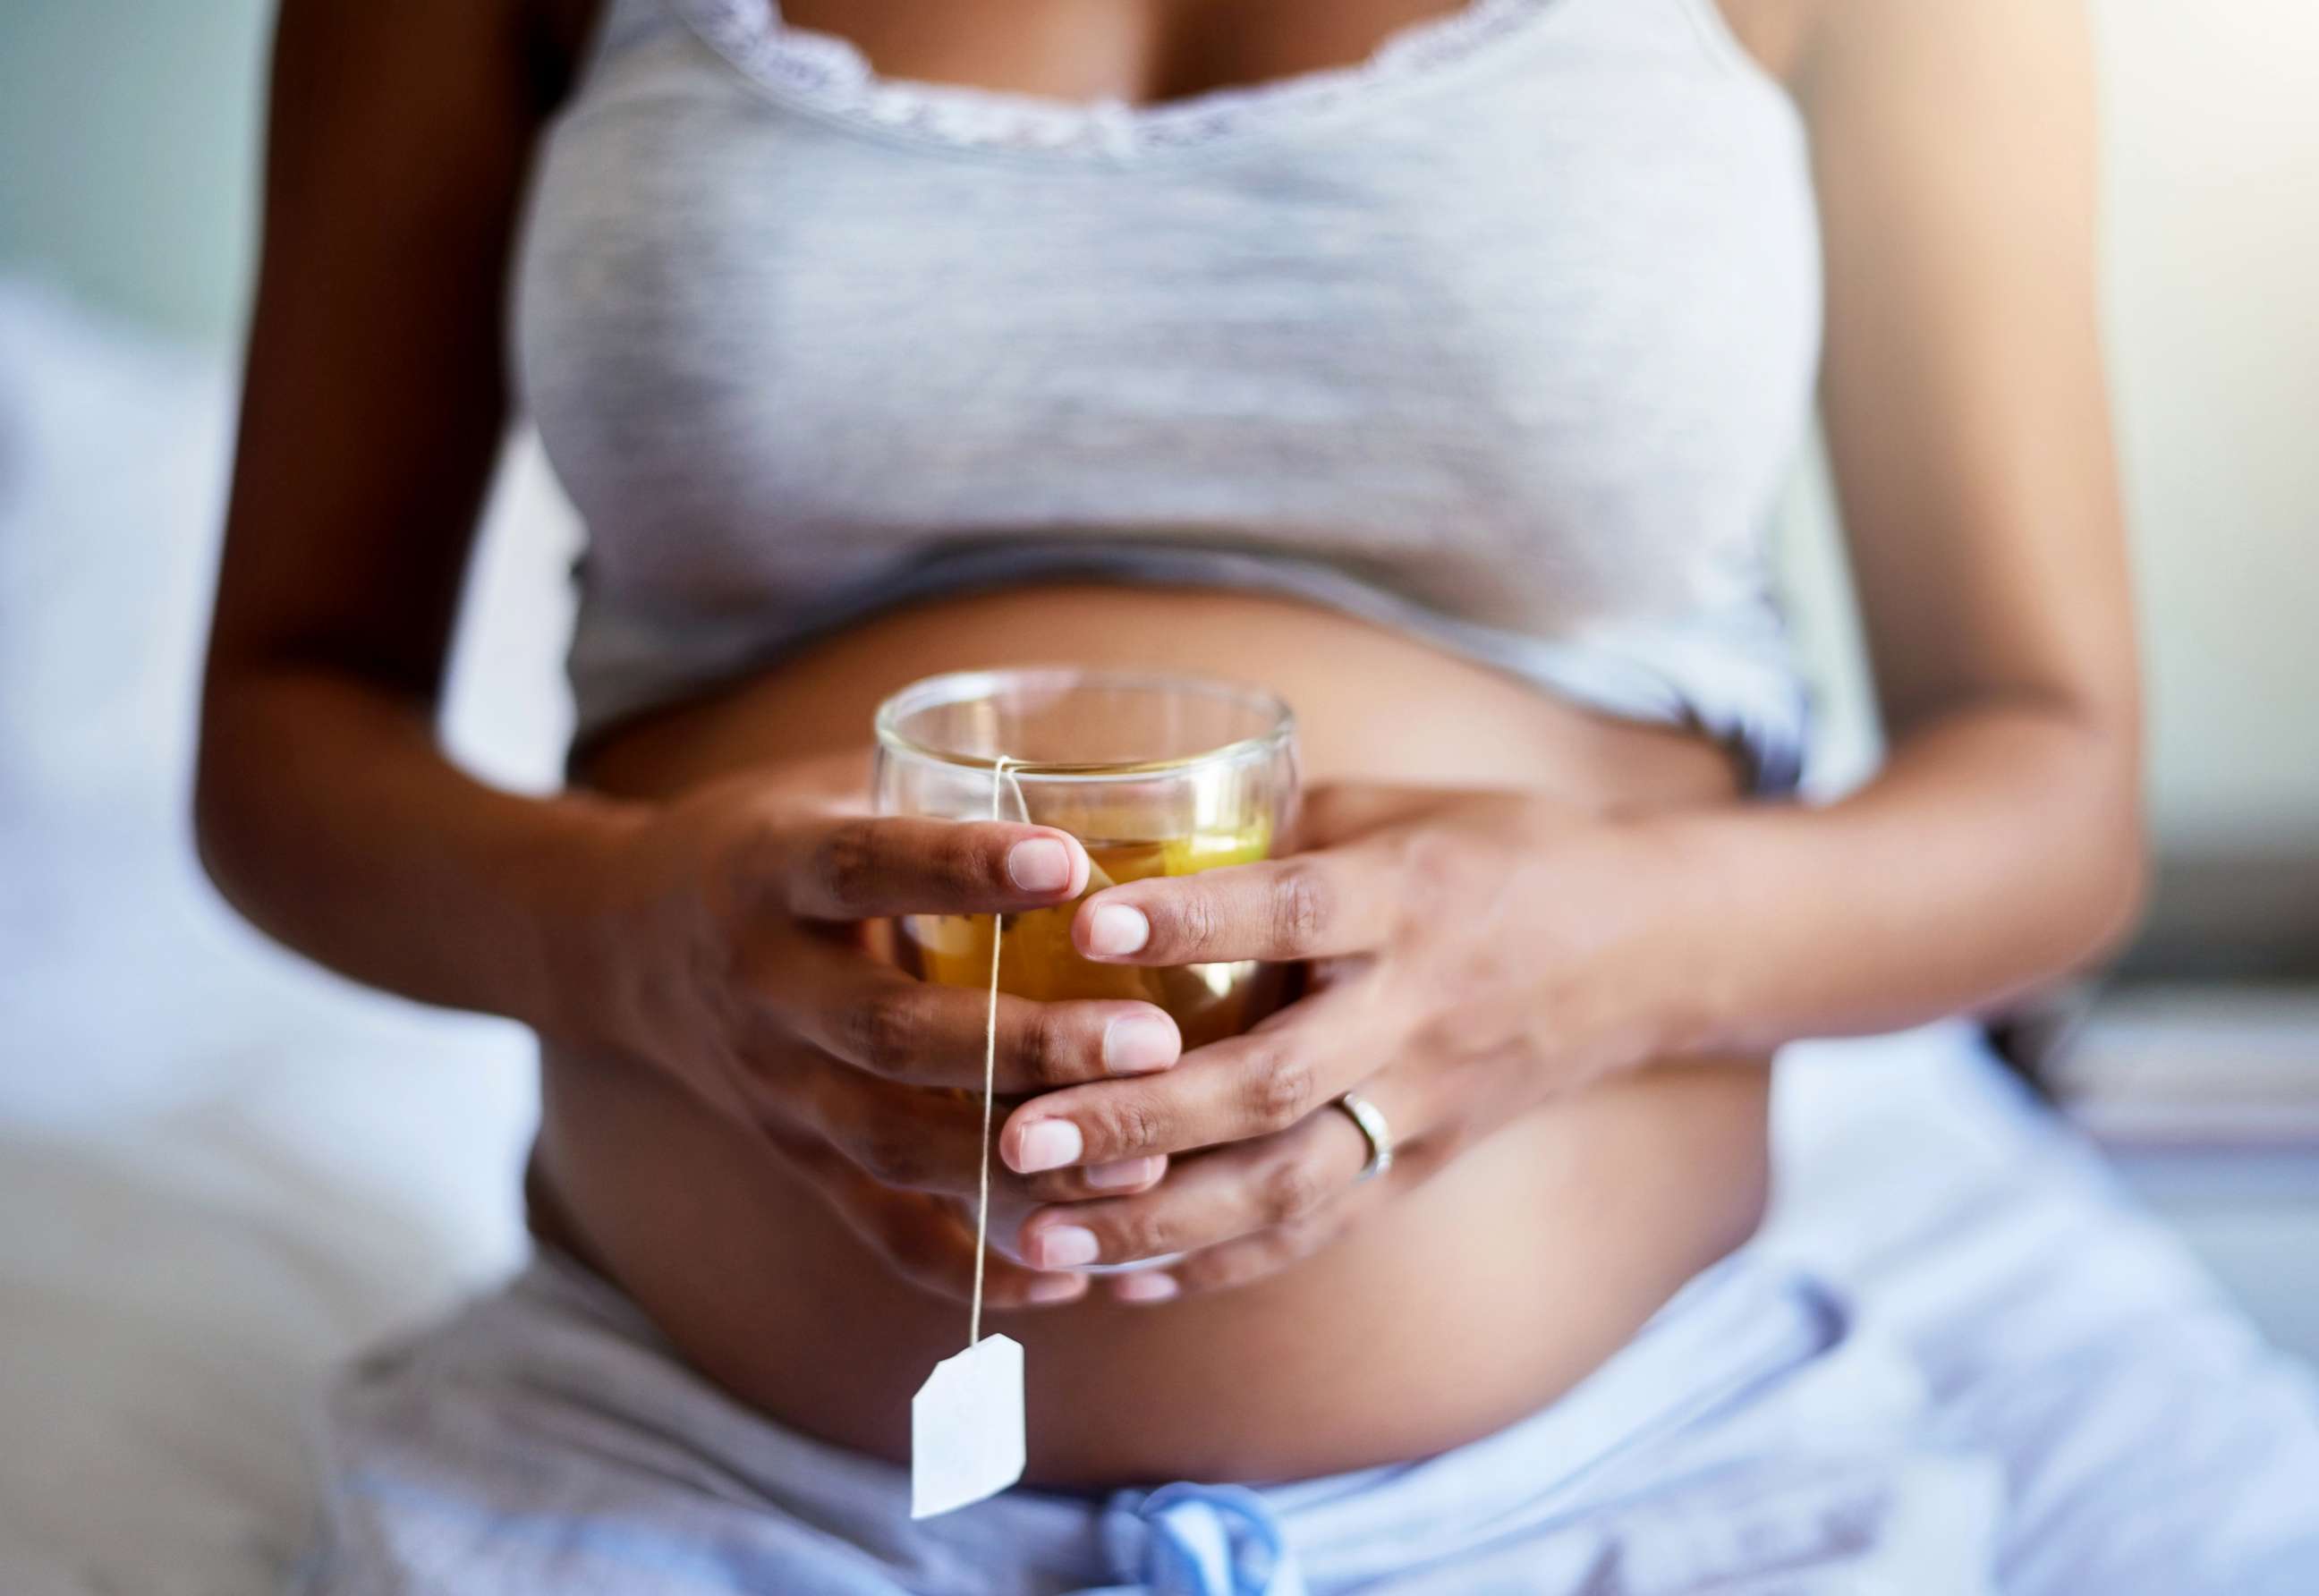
column 1506, row 337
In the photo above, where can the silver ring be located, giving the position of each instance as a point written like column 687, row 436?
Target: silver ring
column 1374, row 1129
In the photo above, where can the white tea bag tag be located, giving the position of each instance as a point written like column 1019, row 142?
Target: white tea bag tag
column 966, row 1428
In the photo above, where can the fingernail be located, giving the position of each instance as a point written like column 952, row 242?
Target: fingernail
column 1115, row 929
column 1134, row 1044
column 1056, row 1288
column 1047, row 1144
column 1140, row 1171
column 1064, row 1247
column 1149, row 1286
column 1042, row 864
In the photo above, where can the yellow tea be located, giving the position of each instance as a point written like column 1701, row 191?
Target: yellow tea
column 1036, row 960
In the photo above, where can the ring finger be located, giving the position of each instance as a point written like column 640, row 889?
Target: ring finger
column 1240, row 1089
column 1278, row 1181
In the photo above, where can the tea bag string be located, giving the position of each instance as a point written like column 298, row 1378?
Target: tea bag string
column 998, row 779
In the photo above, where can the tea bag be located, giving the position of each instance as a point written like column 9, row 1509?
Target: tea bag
column 966, row 1422
column 966, row 1428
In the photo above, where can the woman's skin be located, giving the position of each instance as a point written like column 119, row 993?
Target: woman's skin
column 1557, row 968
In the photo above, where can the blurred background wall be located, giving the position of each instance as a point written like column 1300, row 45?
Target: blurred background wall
column 132, row 127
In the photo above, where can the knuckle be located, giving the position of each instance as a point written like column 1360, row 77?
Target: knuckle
column 1281, row 1085
column 1130, row 1123
column 1047, row 1049
column 1290, row 1191
column 1304, row 905
column 1198, row 922
column 1144, row 1235
column 884, row 1033
column 844, row 863
column 968, row 862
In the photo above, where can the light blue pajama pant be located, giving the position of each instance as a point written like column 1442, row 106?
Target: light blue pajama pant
column 2007, row 1382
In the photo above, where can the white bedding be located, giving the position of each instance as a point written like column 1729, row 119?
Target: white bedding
column 220, row 1169
column 171, row 1286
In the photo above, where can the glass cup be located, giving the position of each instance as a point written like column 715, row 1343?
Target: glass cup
column 1156, row 775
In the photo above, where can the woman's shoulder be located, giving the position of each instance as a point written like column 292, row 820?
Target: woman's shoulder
column 1776, row 33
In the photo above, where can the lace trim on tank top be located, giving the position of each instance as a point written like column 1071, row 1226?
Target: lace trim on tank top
column 831, row 76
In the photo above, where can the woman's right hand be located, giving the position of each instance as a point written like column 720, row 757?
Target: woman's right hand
column 727, row 945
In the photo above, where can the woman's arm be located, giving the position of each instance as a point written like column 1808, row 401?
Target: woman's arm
column 1482, row 951
column 373, row 413
column 713, row 940
column 2001, row 845
column 1955, row 149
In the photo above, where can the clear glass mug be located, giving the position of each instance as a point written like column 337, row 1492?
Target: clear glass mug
column 1157, row 775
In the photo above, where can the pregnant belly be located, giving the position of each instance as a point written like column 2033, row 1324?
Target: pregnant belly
column 1476, row 1299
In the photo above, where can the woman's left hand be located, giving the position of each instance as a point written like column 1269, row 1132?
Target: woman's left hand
column 1471, row 953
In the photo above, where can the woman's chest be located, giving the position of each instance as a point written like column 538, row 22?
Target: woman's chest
column 1138, row 52
column 1535, row 313
column 1143, row 52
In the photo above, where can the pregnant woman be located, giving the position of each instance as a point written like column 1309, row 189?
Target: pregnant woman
column 1433, row 365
